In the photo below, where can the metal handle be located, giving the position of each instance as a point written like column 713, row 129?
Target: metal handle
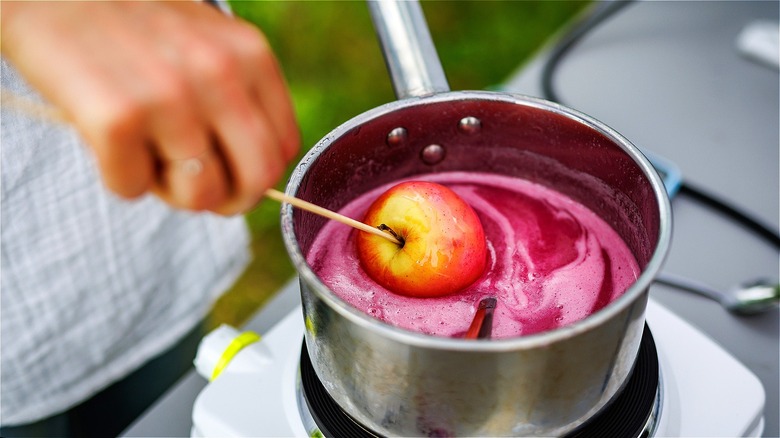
column 408, row 49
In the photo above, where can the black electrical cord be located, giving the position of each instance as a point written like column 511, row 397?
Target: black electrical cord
column 601, row 13
column 720, row 206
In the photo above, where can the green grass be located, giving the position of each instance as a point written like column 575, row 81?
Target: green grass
column 335, row 71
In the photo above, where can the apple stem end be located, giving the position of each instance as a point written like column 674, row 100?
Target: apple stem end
column 400, row 240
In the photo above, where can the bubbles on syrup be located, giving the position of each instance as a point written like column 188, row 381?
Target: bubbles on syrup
column 528, row 290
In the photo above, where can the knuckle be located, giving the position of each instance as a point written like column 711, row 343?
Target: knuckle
column 252, row 42
column 131, row 192
column 216, row 65
column 228, row 208
column 202, row 198
column 170, row 90
column 112, row 118
column 250, row 188
column 127, row 187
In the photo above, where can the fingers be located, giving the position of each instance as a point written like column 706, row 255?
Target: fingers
column 277, row 104
column 262, row 70
column 195, row 90
column 252, row 152
column 190, row 172
column 125, row 162
column 197, row 183
column 244, row 97
column 247, row 153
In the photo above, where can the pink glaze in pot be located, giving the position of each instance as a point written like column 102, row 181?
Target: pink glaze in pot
column 551, row 262
column 399, row 382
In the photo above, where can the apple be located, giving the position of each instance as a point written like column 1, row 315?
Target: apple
column 442, row 250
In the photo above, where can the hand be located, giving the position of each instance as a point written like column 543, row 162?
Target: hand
column 152, row 86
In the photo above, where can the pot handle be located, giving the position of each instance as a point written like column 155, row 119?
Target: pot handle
column 407, row 47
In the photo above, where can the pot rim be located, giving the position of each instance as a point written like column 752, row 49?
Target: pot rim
column 638, row 288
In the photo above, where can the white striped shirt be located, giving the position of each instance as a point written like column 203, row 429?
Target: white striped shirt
column 91, row 286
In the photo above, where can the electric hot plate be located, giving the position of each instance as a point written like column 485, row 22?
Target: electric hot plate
column 270, row 389
column 627, row 416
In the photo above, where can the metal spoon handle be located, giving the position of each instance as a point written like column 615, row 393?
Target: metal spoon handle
column 690, row 285
column 749, row 299
column 408, row 48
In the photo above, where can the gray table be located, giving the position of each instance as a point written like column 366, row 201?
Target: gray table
column 667, row 76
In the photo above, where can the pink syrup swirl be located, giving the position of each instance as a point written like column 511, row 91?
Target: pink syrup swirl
column 552, row 262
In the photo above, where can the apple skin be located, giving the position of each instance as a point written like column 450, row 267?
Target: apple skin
column 444, row 248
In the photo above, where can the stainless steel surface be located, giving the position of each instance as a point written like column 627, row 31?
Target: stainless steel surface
column 397, row 382
column 469, row 125
column 653, row 420
column 408, row 49
column 402, row 383
column 433, row 154
column 396, row 137
column 756, row 297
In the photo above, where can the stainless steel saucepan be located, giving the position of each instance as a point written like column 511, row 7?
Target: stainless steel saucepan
column 396, row 382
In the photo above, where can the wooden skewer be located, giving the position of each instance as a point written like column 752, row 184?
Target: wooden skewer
column 316, row 209
column 45, row 112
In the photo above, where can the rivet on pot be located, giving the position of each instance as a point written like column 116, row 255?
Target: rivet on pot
column 432, row 154
column 396, row 137
column 469, row 125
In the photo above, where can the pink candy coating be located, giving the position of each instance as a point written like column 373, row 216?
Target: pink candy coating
column 551, row 261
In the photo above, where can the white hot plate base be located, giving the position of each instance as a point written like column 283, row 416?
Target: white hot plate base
column 704, row 390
